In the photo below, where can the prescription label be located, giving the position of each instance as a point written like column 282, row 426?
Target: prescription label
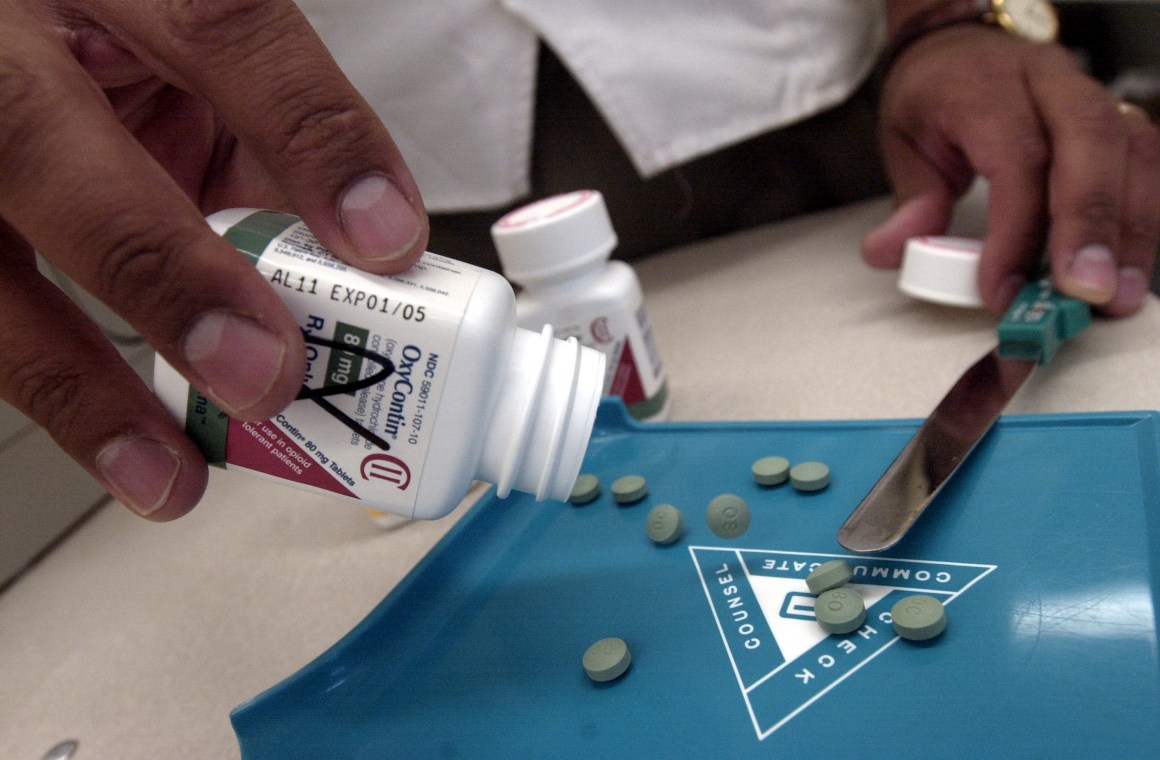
column 377, row 350
column 783, row 661
column 633, row 370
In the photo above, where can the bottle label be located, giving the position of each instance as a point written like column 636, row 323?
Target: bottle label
column 633, row 370
column 378, row 351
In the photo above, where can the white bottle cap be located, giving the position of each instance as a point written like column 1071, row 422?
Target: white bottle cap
column 554, row 236
column 942, row 270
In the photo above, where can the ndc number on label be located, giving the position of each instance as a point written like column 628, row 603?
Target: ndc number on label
column 381, row 305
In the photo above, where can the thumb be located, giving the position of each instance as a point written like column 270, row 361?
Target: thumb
column 926, row 214
column 924, row 202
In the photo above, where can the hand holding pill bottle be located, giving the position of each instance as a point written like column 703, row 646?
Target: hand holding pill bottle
column 125, row 123
column 416, row 384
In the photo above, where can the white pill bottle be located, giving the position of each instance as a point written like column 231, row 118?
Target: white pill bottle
column 417, row 383
column 557, row 249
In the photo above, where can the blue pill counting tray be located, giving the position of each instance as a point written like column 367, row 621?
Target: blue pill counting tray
column 1045, row 549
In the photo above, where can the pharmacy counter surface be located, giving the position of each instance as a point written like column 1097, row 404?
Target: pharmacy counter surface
column 136, row 640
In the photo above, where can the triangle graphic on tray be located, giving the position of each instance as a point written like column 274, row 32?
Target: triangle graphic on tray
column 765, row 614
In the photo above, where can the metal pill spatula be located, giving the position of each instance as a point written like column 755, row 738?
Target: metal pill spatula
column 1034, row 327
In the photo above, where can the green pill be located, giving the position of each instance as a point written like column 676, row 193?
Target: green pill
column 919, row 617
column 828, row 575
column 728, row 515
column 586, row 489
column 665, row 523
column 771, row 471
column 629, row 489
column 607, row 659
column 809, row 476
column 840, row 610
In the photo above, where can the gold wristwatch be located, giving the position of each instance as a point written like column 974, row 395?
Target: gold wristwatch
column 1033, row 20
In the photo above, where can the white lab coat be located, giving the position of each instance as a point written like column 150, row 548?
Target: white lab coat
column 454, row 80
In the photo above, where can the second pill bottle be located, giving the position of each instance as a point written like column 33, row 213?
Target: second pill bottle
column 558, row 250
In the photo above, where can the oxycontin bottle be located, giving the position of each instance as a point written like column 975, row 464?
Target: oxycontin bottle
column 557, row 250
column 417, row 384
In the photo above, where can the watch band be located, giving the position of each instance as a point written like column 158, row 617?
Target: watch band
column 932, row 19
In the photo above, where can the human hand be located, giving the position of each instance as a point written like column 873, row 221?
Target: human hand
column 1068, row 166
column 123, row 122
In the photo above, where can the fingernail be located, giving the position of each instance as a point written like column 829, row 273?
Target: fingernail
column 237, row 358
column 139, row 472
column 1093, row 273
column 378, row 220
column 1130, row 292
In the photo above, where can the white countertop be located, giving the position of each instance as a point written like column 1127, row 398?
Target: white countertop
column 137, row 639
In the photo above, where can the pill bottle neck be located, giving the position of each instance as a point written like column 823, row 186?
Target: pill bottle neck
column 539, row 429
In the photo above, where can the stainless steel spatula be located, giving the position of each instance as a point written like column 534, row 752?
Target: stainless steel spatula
column 1034, row 327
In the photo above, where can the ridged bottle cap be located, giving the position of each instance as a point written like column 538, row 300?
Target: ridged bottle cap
column 554, row 236
column 943, row 270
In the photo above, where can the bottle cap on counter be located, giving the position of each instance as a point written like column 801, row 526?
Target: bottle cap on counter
column 942, row 270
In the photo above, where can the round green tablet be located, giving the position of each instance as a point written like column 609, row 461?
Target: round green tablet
column 840, row 610
column 828, row 575
column 809, row 476
column 728, row 515
column 629, row 489
column 665, row 523
column 586, row 489
column 607, row 659
column 771, row 471
column 919, row 617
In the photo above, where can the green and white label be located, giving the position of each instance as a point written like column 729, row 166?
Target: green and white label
column 378, row 349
